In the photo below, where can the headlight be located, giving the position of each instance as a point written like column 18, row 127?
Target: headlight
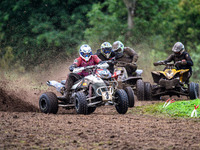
column 169, row 75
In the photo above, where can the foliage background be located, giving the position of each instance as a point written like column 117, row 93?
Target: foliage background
column 35, row 32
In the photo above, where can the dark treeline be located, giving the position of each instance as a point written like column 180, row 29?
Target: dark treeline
column 33, row 31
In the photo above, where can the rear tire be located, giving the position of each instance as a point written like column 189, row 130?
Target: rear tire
column 122, row 101
column 81, row 103
column 130, row 94
column 48, row 103
column 140, row 89
column 147, row 91
column 192, row 91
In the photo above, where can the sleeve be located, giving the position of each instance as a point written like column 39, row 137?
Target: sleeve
column 131, row 53
column 97, row 60
column 189, row 60
column 169, row 59
column 77, row 62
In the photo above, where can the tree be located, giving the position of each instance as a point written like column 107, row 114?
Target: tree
column 108, row 21
column 38, row 30
column 130, row 5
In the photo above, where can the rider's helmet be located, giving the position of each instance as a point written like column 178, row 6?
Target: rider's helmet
column 118, row 47
column 85, row 52
column 178, row 48
column 106, row 49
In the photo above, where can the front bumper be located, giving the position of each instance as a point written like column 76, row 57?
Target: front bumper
column 169, row 84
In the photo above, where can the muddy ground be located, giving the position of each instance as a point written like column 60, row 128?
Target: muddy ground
column 22, row 126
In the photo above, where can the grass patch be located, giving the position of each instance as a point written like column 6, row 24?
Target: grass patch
column 177, row 109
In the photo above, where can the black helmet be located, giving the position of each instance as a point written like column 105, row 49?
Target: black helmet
column 178, row 48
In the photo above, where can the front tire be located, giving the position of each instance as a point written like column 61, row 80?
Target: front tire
column 147, row 91
column 130, row 94
column 197, row 89
column 91, row 110
column 81, row 103
column 48, row 103
column 122, row 101
column 140, row 89
column 192, row 91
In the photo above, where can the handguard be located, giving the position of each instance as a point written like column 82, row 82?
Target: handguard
column 158, row 63
column 103, row 65
column 78, row 69
column 71, row 68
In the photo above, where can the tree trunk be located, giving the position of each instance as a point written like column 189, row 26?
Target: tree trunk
column 130, row 5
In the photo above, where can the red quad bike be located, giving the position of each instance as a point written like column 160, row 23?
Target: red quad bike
column 134, row 82
column 171, row 82
column 87, row 93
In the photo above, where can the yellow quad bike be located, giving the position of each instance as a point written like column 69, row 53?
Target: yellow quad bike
column 171, row 82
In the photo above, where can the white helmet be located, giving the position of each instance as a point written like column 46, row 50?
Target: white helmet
column 178, row 48
column 118, row 47
column 85, row 52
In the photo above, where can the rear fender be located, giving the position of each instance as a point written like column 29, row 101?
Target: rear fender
column 59, row 86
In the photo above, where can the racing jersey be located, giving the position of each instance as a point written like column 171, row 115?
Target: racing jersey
column 80, row 62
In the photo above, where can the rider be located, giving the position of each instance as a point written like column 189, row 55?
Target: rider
column 106, row 53
column 127, row 55
column 182, row 59
column 86, row 59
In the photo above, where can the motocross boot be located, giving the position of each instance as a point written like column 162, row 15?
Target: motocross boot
column 65, row 97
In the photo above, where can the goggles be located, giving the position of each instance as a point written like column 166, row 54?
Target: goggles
column 107, row 50
column 177, row 53
column 118, row 50
column 85, row 54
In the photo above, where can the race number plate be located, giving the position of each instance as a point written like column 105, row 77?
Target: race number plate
column 106, row 96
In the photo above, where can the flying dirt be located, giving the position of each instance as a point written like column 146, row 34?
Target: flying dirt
column 10, row 102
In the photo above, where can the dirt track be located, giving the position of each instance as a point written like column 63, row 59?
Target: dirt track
column 104, row 129
column 26, row 128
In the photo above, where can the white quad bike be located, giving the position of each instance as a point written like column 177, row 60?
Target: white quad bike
column 135, row 81
column 87, row 93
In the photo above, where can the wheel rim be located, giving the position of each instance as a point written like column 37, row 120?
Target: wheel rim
column 43, row 103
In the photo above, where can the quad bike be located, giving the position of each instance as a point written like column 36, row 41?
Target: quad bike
column 87, row 93
column 171, row 82
column 116, row 78
column 135, row 81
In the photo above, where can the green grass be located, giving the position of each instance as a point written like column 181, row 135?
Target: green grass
column 176, row 109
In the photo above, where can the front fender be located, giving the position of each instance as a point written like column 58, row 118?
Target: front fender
column 156, row 76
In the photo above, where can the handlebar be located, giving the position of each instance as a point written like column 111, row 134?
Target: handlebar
column 90, row 68
column 168, row 65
